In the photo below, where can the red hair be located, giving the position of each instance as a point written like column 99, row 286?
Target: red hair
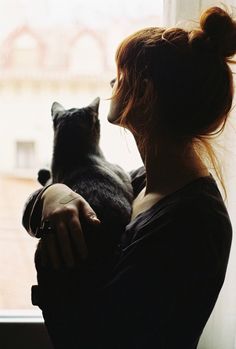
column 179, row 82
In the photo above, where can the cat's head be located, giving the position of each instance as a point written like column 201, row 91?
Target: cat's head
column 76, row 127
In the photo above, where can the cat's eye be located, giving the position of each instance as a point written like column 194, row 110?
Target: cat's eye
column 112, row 82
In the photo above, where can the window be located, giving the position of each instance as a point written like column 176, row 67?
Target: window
column 66, row 54
column 25, row 155
column 24, row 53
column 23, row 50
column 83, row 63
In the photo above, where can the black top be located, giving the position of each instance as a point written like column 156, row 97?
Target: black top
column 169, row 270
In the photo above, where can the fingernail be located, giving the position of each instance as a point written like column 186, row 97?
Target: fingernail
column 95, row 219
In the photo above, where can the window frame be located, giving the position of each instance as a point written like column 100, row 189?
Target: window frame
column 26, row 329
column 23, row 329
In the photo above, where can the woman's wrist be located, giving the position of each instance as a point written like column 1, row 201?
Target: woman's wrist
column 35, row 213
column 55, row 192
column 49, row 193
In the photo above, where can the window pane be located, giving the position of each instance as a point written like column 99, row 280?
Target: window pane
column 25, row 154
column 53, row 50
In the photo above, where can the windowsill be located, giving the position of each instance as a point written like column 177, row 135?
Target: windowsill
column 23, row 329
column 21, row 316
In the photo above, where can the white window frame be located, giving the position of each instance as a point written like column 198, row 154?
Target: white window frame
column 25, row 329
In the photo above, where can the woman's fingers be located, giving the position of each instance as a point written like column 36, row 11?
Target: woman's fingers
column 64, row 243
column 70, row 231
column 50, row 244
column 62, row 209
column 77, row 237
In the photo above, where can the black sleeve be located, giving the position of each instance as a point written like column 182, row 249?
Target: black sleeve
column 32, row 212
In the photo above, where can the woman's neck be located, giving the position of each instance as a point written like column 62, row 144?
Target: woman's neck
column 170, row 167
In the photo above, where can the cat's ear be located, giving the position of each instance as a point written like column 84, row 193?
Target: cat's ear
column 95, row 104
column 56, row 108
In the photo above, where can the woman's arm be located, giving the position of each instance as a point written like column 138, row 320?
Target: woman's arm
column 60, row 207
column 37, row 209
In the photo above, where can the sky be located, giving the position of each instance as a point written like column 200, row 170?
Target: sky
column 54, row 12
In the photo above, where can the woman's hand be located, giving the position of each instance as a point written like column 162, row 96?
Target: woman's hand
column 63, row 241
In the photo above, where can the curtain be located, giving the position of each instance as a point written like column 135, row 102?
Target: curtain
column 220, row 331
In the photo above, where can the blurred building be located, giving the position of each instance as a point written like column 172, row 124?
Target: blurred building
column 38, row 65
column 41, row 64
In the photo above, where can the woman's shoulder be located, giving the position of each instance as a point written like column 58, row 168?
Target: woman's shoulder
column 196, row 212
column 200, row 199
column 201, row 202
column 196, row 199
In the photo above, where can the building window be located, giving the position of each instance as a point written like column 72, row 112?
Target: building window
column 84, row 49
column 25, row 154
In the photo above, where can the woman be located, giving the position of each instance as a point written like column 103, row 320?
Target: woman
column 173, row 90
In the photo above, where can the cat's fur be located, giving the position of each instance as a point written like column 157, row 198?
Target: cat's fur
column 79, row 163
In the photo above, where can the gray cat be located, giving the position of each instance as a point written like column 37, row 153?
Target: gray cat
column 78, row 162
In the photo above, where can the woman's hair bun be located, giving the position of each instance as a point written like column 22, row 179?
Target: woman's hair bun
column 218, row 30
